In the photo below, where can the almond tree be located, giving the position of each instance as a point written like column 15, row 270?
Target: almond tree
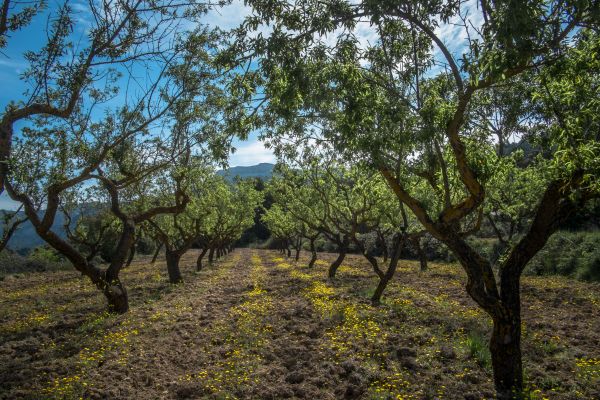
column 284, row 228
column 230, row 210
column 401, row 103
column 178, row 232
column 293, row 188
column 331, row 199
column 77, row 129
column 15, row 15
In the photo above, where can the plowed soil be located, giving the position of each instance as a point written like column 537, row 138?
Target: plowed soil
column 257, row 325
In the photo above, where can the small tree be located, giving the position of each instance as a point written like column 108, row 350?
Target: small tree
column 178, row 232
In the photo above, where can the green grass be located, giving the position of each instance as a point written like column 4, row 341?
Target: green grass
column 477, row 346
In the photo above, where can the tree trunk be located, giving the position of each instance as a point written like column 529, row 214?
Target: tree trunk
column 200, row 257
column 336, row 264
column 384, row 248
column 173, row 258
column 421, row 254
column 385, row 278
column 117, row 298
column 313, row 259
column 211, row 255
column 112, row 287
column 289, row 252
column 297, row 256
column 131, row 255
column 383, row 282
column 505, row 348
column 155, row 256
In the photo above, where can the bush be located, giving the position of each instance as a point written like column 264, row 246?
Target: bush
column 490, row 248
column 145, row 245
column 40, row 259
column 45, row 254
column 434, row 251
column 572, row 254
column 11, row 263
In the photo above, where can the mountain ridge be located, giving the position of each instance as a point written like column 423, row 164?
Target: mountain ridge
column 261, row 170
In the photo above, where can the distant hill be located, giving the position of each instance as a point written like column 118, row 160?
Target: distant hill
column 26, row 238
column 262, row 170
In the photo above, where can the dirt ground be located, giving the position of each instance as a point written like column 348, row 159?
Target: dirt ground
column 256, row 325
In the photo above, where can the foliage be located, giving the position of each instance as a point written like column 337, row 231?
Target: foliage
column 572, row 254
column 389, row 104
column 41, row 259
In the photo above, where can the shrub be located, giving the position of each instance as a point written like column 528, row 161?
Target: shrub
column 572, row 254
column 40, row 259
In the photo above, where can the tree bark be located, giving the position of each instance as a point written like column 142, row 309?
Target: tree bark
column 421, row 254
column 131, row 255
column 116, row 295
column 336, row 264
column 211, row 254
column 113, row 289
column 386, row 277
column 155, row 256
column 313, row 259
column 297, row 256
column 173, row 258
column 384, row 249
column 505, row 348
column 200, row 257
column 383, row 282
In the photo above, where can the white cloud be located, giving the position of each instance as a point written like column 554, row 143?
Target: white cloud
column 13, row 66
column 251, row 153
column 229, row 16
column 456, row 32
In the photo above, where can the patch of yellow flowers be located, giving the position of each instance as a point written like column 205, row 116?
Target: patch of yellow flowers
column 244, row 339
column 588, row 368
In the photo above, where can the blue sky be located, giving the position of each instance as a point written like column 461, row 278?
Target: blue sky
column 12, row 64
column 250, row 152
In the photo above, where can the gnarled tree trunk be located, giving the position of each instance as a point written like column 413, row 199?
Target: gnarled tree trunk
column 200, row 257
column 131, row 255
column 420, row 253
column 117, row 298
column 336, row 264
column 173, row 258
column 156, row 252
column 505, row 348
column 384, row 278
column 313, row 251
